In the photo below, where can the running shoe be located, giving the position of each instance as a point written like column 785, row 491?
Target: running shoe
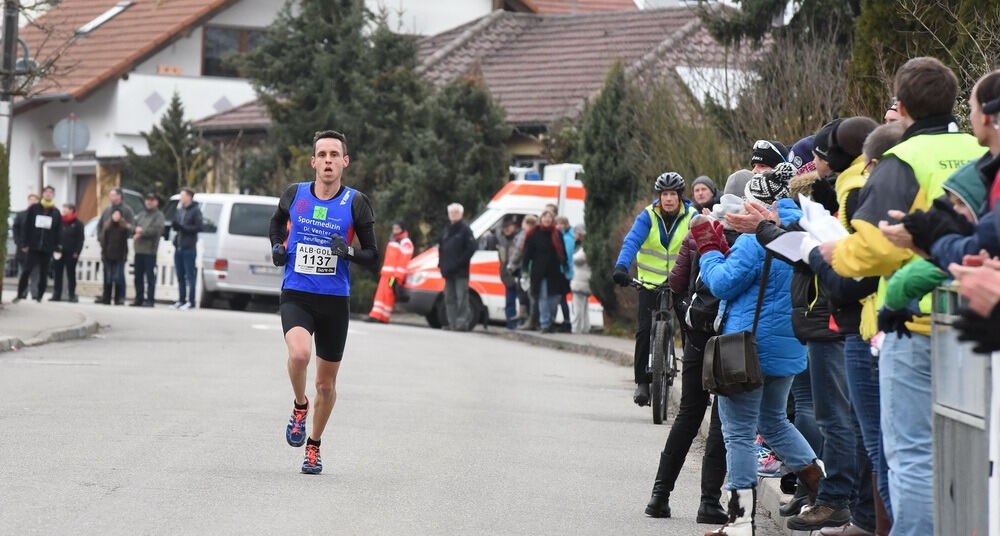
column 312, row 464
column 769, row 466
column 295, row 433
column 186, row 306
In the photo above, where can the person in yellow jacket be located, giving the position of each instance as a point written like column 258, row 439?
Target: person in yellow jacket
column 398, row 253
column 908, row 177
column 653, row 243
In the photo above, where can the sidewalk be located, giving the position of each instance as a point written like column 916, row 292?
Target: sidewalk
column 29, row 323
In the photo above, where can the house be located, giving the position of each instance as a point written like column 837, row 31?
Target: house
column 542, row 68
column 120, row 61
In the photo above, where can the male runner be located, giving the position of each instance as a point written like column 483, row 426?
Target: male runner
column 318, row 215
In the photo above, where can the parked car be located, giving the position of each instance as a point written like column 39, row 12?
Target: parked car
column 236, row 251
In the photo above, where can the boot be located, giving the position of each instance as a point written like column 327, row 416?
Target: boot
column 641, row 395
column 73, row 298
column 659, row 501
column 819, row 516
column 849, row 529
column 742, row 509
column 809, row 477
column 883, row 523
column 799, row 500
column 713, row 473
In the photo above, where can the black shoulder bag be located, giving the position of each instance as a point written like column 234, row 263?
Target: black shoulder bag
column 731, row 364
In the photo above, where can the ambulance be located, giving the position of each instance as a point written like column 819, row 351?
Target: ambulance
column 561, row 186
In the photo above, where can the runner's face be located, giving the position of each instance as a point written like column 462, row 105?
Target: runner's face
column 329, row 160
column 48, row 195
column 669, row 201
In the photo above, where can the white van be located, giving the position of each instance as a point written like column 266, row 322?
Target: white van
column 236, row 251
column 561, row 186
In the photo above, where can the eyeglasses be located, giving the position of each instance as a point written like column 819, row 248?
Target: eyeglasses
column 764, row 144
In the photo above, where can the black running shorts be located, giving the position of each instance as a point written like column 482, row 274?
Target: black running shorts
column 324, row 317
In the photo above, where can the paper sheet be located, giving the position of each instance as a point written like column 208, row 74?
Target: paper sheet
column 817, row 220
column 788, row 245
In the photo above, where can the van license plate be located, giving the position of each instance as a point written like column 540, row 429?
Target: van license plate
column 263, row 270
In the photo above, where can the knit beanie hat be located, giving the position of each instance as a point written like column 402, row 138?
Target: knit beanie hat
column 802, row 151
column 821, row 143
column 768, row 153
column 966, row 185
column 737, row 182
column 770, row 186
column 707, row 182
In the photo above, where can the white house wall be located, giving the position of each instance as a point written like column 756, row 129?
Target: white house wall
column 249, row 14
column 184, row 53
column 428, row 18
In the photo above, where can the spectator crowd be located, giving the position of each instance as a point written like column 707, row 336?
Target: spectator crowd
column 828, row 254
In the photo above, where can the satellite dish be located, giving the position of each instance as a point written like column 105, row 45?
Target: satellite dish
column 70, row 135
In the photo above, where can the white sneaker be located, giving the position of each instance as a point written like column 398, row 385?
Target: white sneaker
column 186, row 306
column 177, row 305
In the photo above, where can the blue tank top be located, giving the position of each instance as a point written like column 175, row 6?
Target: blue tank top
column 310, row 267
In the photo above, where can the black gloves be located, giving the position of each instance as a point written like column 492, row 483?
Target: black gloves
column 824, row 193
column 982, row 331
column 620, row 276
column 927, row 227
column 339, row 247
column 890, row 321
column 278, row 255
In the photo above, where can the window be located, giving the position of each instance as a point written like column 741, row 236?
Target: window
column 210, row 213
column 102, row 18
column 249, row 219
column 220, row 41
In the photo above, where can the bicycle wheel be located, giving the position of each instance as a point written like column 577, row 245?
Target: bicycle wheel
column 658, row 387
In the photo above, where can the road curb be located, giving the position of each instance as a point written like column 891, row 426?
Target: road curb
column 614, row 356
column 769, row 498
column 81, row 330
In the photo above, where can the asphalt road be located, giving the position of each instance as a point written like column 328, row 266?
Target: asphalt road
column 173, row 423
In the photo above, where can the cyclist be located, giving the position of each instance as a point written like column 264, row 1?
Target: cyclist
column 321, row 217
column 653, row 242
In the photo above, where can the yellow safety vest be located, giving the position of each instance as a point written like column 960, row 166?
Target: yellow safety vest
column 851, row 179
column 652, row 262
column 933, row 158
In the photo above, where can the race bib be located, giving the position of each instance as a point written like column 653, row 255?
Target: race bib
column 314, row 260
column 43, row 222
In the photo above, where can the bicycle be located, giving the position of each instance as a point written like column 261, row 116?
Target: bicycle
column 663, row 362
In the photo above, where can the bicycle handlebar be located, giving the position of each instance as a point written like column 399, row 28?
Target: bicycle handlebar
column 640, row 284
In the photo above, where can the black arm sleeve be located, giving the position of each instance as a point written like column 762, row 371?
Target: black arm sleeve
column 841, row 290
column 279, row 221
column 768, row 231
column 364, row 228
column 851, row 203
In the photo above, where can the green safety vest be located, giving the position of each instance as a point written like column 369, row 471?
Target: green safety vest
column 933, row 158
column 652, row 263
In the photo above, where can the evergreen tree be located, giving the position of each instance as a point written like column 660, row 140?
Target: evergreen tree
column 311, row 71
column 756, row 19
column 605, row 138
column 457, row 157
column 177, row 156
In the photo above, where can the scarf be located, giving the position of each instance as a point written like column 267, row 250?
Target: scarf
column 67, row 218
column 47, row 204
column 556, row 236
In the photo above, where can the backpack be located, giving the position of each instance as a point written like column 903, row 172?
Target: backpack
column 702, row 307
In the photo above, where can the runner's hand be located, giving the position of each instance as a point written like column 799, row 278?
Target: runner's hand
column 278, row 255
column 339, row 247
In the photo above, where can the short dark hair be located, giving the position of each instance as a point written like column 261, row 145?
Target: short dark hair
column 330, row 134
column 49, row 187
column 186, row 190
column 988, row 89
column 926, row 87
column 70, row 206
column 883, row 138
column 116, row 190
column 851, row 134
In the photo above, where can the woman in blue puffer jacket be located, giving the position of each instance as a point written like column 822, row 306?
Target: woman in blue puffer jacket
column 735, row 278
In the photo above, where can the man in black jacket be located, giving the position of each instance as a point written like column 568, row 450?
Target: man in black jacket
column 39, row 238
column 187, row 223
column 454, row 256
column 70, row 246
column 19, row 256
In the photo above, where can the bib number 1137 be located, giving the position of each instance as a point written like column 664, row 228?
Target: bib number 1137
column 314, row 260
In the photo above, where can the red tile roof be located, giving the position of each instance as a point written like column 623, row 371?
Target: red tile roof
column 115, row 47
column 249, row 116
column 542, row 68
column 572, row 7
